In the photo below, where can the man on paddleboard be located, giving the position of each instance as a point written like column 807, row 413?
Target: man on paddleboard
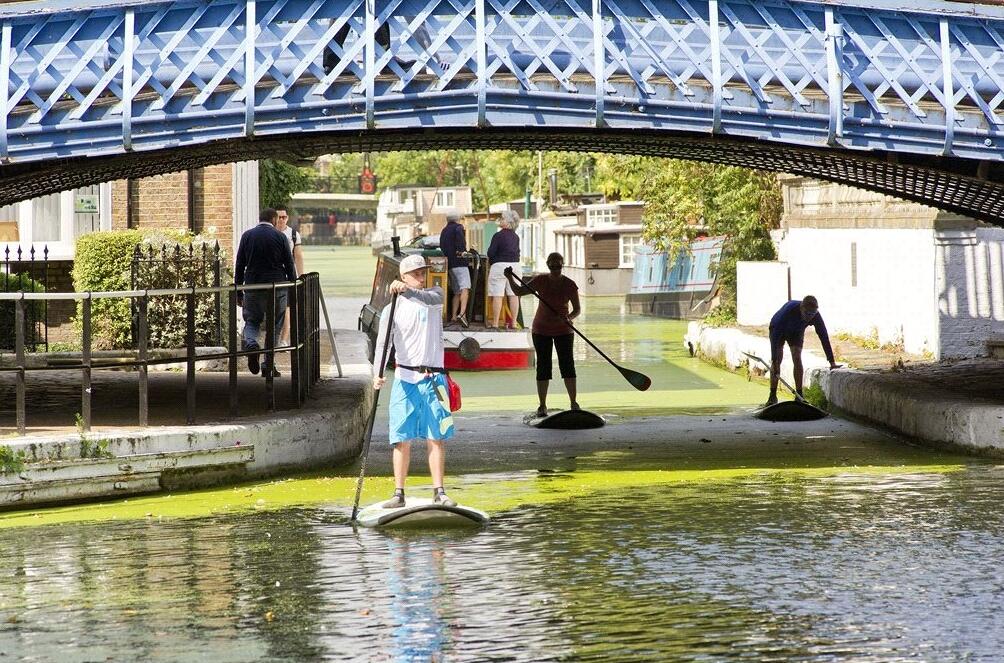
column 416, row 411
column 788, row 326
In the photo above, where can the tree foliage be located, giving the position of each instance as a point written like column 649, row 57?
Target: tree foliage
column 686, row 197
column 278, row 181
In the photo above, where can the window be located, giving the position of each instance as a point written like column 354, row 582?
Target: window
column 573, row 248
column 601, row 216
column 445, row 199
column 629, row 244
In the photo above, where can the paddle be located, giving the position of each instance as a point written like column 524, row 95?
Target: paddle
column 770, row 370
column 376, row 399
column 637, row 380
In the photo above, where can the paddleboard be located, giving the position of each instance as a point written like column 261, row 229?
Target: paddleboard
column 790, row 411
column 565, row 420
column 421, row 512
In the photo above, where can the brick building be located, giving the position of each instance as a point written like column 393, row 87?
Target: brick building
column 219, row 201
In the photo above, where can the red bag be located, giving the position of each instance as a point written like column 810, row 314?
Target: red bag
column 453, row 389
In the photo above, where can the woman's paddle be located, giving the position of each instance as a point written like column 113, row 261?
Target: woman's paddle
column 376, row 399
column 638, row 380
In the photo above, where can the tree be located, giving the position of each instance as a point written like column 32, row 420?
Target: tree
column 278, row 181
column 684, row 198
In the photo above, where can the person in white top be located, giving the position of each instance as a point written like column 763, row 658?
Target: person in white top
column 416, row 409
column 296, row 246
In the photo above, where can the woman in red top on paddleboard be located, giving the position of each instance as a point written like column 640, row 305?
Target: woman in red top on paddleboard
column 550, row 327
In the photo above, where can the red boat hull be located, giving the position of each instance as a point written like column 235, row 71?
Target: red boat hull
column 498, row 360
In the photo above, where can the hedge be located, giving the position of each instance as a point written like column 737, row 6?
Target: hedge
column 33, row 309
column 103, row 262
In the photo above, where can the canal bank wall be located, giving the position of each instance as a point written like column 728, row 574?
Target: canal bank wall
column 922, row 403
column 326, row 431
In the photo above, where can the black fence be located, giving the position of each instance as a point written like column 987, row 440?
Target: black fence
column 178, row 266
column 28, row 271
column 304, row 349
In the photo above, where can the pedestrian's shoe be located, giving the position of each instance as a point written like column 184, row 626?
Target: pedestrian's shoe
column 275, row 373
column 541, row 411
column 254, row 360
column 395, row 502
column 771, row 400
column 462, row 319
column 439, row 497
column 575, row 405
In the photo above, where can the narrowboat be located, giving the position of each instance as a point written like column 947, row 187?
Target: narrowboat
column 683, row 288
column 474, row 348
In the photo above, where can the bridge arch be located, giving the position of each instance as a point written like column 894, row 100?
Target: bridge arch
column 973, row 189
column 904, row 102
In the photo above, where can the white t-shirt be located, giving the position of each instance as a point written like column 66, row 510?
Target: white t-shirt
column 418, row 333
column 292, row 237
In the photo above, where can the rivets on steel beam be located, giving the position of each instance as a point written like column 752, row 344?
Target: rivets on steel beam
column 987, row 142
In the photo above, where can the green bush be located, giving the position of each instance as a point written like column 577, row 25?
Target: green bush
column 104, row 263
column 33, row 309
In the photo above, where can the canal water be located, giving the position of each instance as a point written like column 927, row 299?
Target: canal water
column 686, row 531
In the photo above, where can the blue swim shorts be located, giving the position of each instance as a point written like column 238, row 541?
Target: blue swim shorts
column 416, row 412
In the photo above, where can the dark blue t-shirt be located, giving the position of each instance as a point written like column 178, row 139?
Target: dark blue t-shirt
column 452, row 242
column 504, row 247
column 788, row 325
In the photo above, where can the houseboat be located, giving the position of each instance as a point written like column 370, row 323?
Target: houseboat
column 472, row 349
column 682, row 288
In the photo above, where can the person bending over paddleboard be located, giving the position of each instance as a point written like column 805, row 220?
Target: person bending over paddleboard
column 788, row 326
column 551, row 328
column 416, row 411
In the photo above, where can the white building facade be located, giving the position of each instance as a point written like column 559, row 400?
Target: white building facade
column 884, row 269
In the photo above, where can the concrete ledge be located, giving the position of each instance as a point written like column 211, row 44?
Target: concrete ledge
column 328, row 430
column 724, row 346
column 917, row 409
column 897, row 400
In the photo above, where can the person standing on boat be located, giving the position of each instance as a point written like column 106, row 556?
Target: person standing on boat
column 550, row 326
column 788, row 326
column 503, row 253
column 453, row 243
column 415, row 409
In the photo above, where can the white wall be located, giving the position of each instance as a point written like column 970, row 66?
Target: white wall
column 969, row 286
column 893, row 293
column 759, row 288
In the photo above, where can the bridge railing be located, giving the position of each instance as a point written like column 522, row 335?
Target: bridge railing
column 305, row 306
column 118, row 76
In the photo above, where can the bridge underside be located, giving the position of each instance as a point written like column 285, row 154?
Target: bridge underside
column 974, row 189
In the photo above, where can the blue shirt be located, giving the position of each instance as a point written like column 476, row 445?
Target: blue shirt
column 504, row 247
column 452, row 242
column 788, row 325
column 263, row 256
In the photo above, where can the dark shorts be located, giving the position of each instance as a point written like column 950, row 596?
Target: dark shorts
column 542, row 344
column 777, row 341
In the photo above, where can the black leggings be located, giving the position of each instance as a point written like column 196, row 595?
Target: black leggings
column 563, row 344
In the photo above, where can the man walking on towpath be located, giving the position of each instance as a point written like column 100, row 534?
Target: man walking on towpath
column 263, row 256
column 788, row 326
column 416, row 411
column 453, row 243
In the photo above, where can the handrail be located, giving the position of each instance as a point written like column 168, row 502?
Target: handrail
column 304, row 308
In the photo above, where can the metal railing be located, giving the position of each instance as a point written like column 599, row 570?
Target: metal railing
column 19, row 268
column 304, row 308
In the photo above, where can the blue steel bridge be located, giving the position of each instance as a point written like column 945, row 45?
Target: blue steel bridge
column 897, row 97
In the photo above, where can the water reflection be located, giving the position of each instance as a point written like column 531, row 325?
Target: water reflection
column 774, row 567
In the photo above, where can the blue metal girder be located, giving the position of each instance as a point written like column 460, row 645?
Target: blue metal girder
column 105, row 77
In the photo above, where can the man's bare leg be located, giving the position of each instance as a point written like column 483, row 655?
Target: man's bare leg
column 437, row 462
column 402, row 458
column 796, row 360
